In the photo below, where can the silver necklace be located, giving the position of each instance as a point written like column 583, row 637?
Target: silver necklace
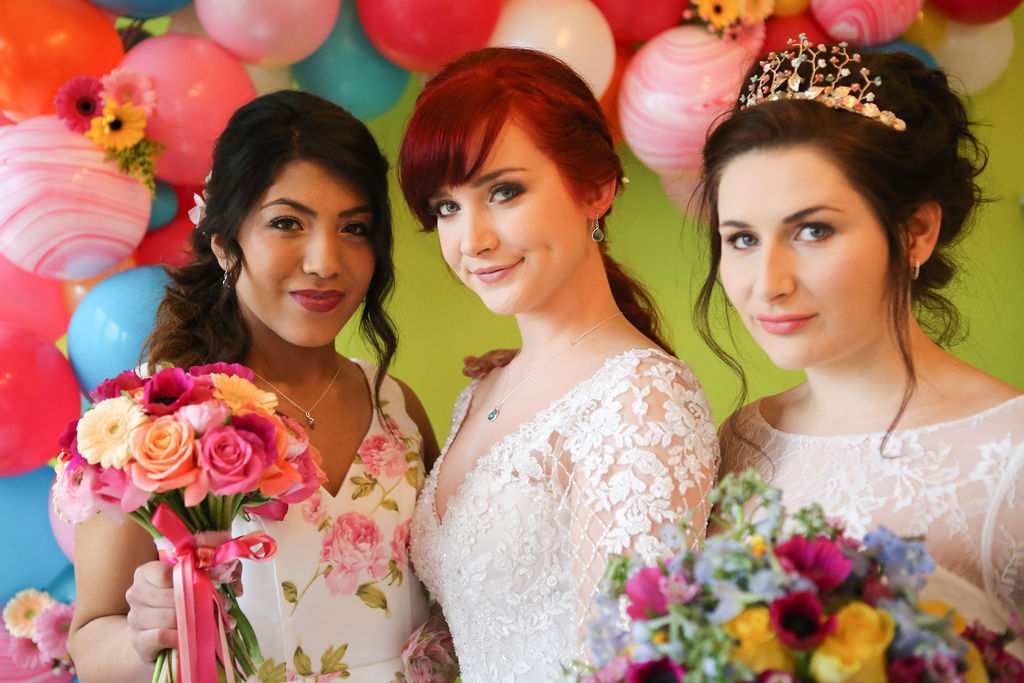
column 309, row 417
column 496, row 410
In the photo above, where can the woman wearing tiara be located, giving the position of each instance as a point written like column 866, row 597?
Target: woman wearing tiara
column 594, row 436
column 831, row 216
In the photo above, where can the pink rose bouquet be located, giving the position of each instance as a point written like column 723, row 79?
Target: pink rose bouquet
column 782, row 600
column 183, row 453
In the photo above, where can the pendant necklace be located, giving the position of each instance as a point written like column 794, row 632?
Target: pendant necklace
column 309, row 417
column 496, row 410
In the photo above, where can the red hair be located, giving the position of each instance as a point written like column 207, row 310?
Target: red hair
column 460, row 113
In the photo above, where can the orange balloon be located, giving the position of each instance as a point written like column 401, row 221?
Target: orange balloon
column 75, row 290
column 43, row 44
column 610, row 99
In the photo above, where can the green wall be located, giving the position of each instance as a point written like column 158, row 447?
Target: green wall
column 440, row 321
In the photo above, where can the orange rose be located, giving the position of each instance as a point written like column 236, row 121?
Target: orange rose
column 165, row 454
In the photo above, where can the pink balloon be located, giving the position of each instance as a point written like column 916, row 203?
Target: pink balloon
column 38, row 397
column 976, row 11
column 675, row 87
column 424, row 35
column 63, row 533
column 32, row 301
column 198, row 86
column 268, row 32
column 680, row 189
column 65, row 212
column 778, row 30
column 633, row 26
column 866, row 22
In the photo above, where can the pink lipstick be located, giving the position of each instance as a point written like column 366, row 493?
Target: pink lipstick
column 494, row 273
column 783, row 324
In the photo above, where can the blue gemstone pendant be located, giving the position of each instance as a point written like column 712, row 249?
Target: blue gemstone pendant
column 493, row 415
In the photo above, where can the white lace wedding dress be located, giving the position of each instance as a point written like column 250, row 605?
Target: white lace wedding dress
column 959, row 483
column 525, row 538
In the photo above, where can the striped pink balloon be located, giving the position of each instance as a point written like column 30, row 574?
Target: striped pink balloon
column 64, row 211
column 675, row 87
column 866, row 22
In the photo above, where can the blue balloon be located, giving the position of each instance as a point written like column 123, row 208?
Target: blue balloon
column 109, row 327
column 908, row 47
column 31, row 557
column 347, row 70
column 165, row 207
column 62, row 587
column 142, row 9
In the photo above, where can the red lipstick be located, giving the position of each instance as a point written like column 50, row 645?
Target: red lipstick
column 317, row 300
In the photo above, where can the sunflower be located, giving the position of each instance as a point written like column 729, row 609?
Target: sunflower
column 104, row 431
column 239, row 392
column 121, row 126
column 22, row 609
column 720, row 14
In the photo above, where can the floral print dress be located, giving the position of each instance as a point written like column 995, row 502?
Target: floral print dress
column 339, row 600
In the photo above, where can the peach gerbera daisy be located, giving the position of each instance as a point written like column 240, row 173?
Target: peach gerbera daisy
column 239, row 393
column 104, row 431
column 22, row 609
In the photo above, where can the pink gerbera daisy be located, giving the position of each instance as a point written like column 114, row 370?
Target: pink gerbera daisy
column 52, row 627
column 125, row 86
column 26, row 655
column 78, row 101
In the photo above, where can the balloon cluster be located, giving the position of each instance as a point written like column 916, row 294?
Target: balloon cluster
column 81, row 244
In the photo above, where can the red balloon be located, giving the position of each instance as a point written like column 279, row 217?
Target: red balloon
column 38, row 397
column 778, row 30
column 32, row 301
column 43, row 44
column 169, row 246
column 976, row 11
column 632, row 24
column 424, row 35
column 610, row 99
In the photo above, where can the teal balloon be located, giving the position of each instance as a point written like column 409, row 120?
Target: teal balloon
column 110, row 325
column 165, row 207
column 905, row 46
column 31, row 557
column 142, row 9
column 347, row 70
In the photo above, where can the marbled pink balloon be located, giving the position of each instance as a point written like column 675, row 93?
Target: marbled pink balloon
column 675, row 87
column 866, row 22
column 64, row 211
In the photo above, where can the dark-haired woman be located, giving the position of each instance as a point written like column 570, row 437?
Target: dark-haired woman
column 594, row 435
column 295, row 240
column 832, row 214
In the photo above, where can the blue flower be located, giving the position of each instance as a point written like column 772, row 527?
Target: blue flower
column 904, row 562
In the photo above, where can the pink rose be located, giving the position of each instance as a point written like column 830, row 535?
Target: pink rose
column 352, row 545
column 298, row 440
column 206, row 415
column 75, row 491
column 384, row 455
column 314, row 511
column 307, row 464
column 429, row 653
column 232, row 460
column 400, row 544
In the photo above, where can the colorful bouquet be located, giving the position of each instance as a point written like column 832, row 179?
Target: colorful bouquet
column 37, row 634
column 780, row 600
column 183, row 453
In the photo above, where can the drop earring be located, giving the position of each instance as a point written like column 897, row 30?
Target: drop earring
column 915, row 272
column 598, row 234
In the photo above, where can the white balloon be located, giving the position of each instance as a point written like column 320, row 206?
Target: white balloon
column 975, row 55
column 575, row 31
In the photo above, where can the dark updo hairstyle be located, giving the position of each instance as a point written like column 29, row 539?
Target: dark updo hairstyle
column 936, row 159
column 199, row 320
column 460, row 113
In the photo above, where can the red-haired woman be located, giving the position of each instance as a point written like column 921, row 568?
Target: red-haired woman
column 594, row 435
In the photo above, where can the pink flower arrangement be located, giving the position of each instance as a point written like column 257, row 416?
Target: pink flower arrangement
column 182, row 453
column 125, row 86
column 38, row 627
column 78, row 101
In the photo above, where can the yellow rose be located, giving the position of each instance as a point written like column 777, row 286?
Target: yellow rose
column 941, row 609
column 976, row 671
column 855, row 651
column 758, row 647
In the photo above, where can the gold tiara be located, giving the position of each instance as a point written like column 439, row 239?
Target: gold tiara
column 831, row 81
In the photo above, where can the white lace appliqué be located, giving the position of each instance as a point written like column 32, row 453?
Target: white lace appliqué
column 525, row 538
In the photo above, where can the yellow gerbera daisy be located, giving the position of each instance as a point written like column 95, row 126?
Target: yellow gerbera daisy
column 756, row 11
column 120, row 127
column 104, row 431
column 22, row 609
column 238, row 393
column 721, row 14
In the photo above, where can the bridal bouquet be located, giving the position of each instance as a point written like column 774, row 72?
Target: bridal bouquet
column 183, row 453
column 781, row 600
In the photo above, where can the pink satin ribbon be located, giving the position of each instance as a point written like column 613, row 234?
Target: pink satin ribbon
column 199, row 610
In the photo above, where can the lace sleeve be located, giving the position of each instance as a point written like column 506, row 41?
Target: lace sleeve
column 646, row 454
column 1002, row 537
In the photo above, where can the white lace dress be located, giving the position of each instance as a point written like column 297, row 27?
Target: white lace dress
column 525, row 537
column 959, row 483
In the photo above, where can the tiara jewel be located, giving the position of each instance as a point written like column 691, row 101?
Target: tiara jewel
column 824, row 74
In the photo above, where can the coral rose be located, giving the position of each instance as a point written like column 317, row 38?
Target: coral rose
column 165, row 454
